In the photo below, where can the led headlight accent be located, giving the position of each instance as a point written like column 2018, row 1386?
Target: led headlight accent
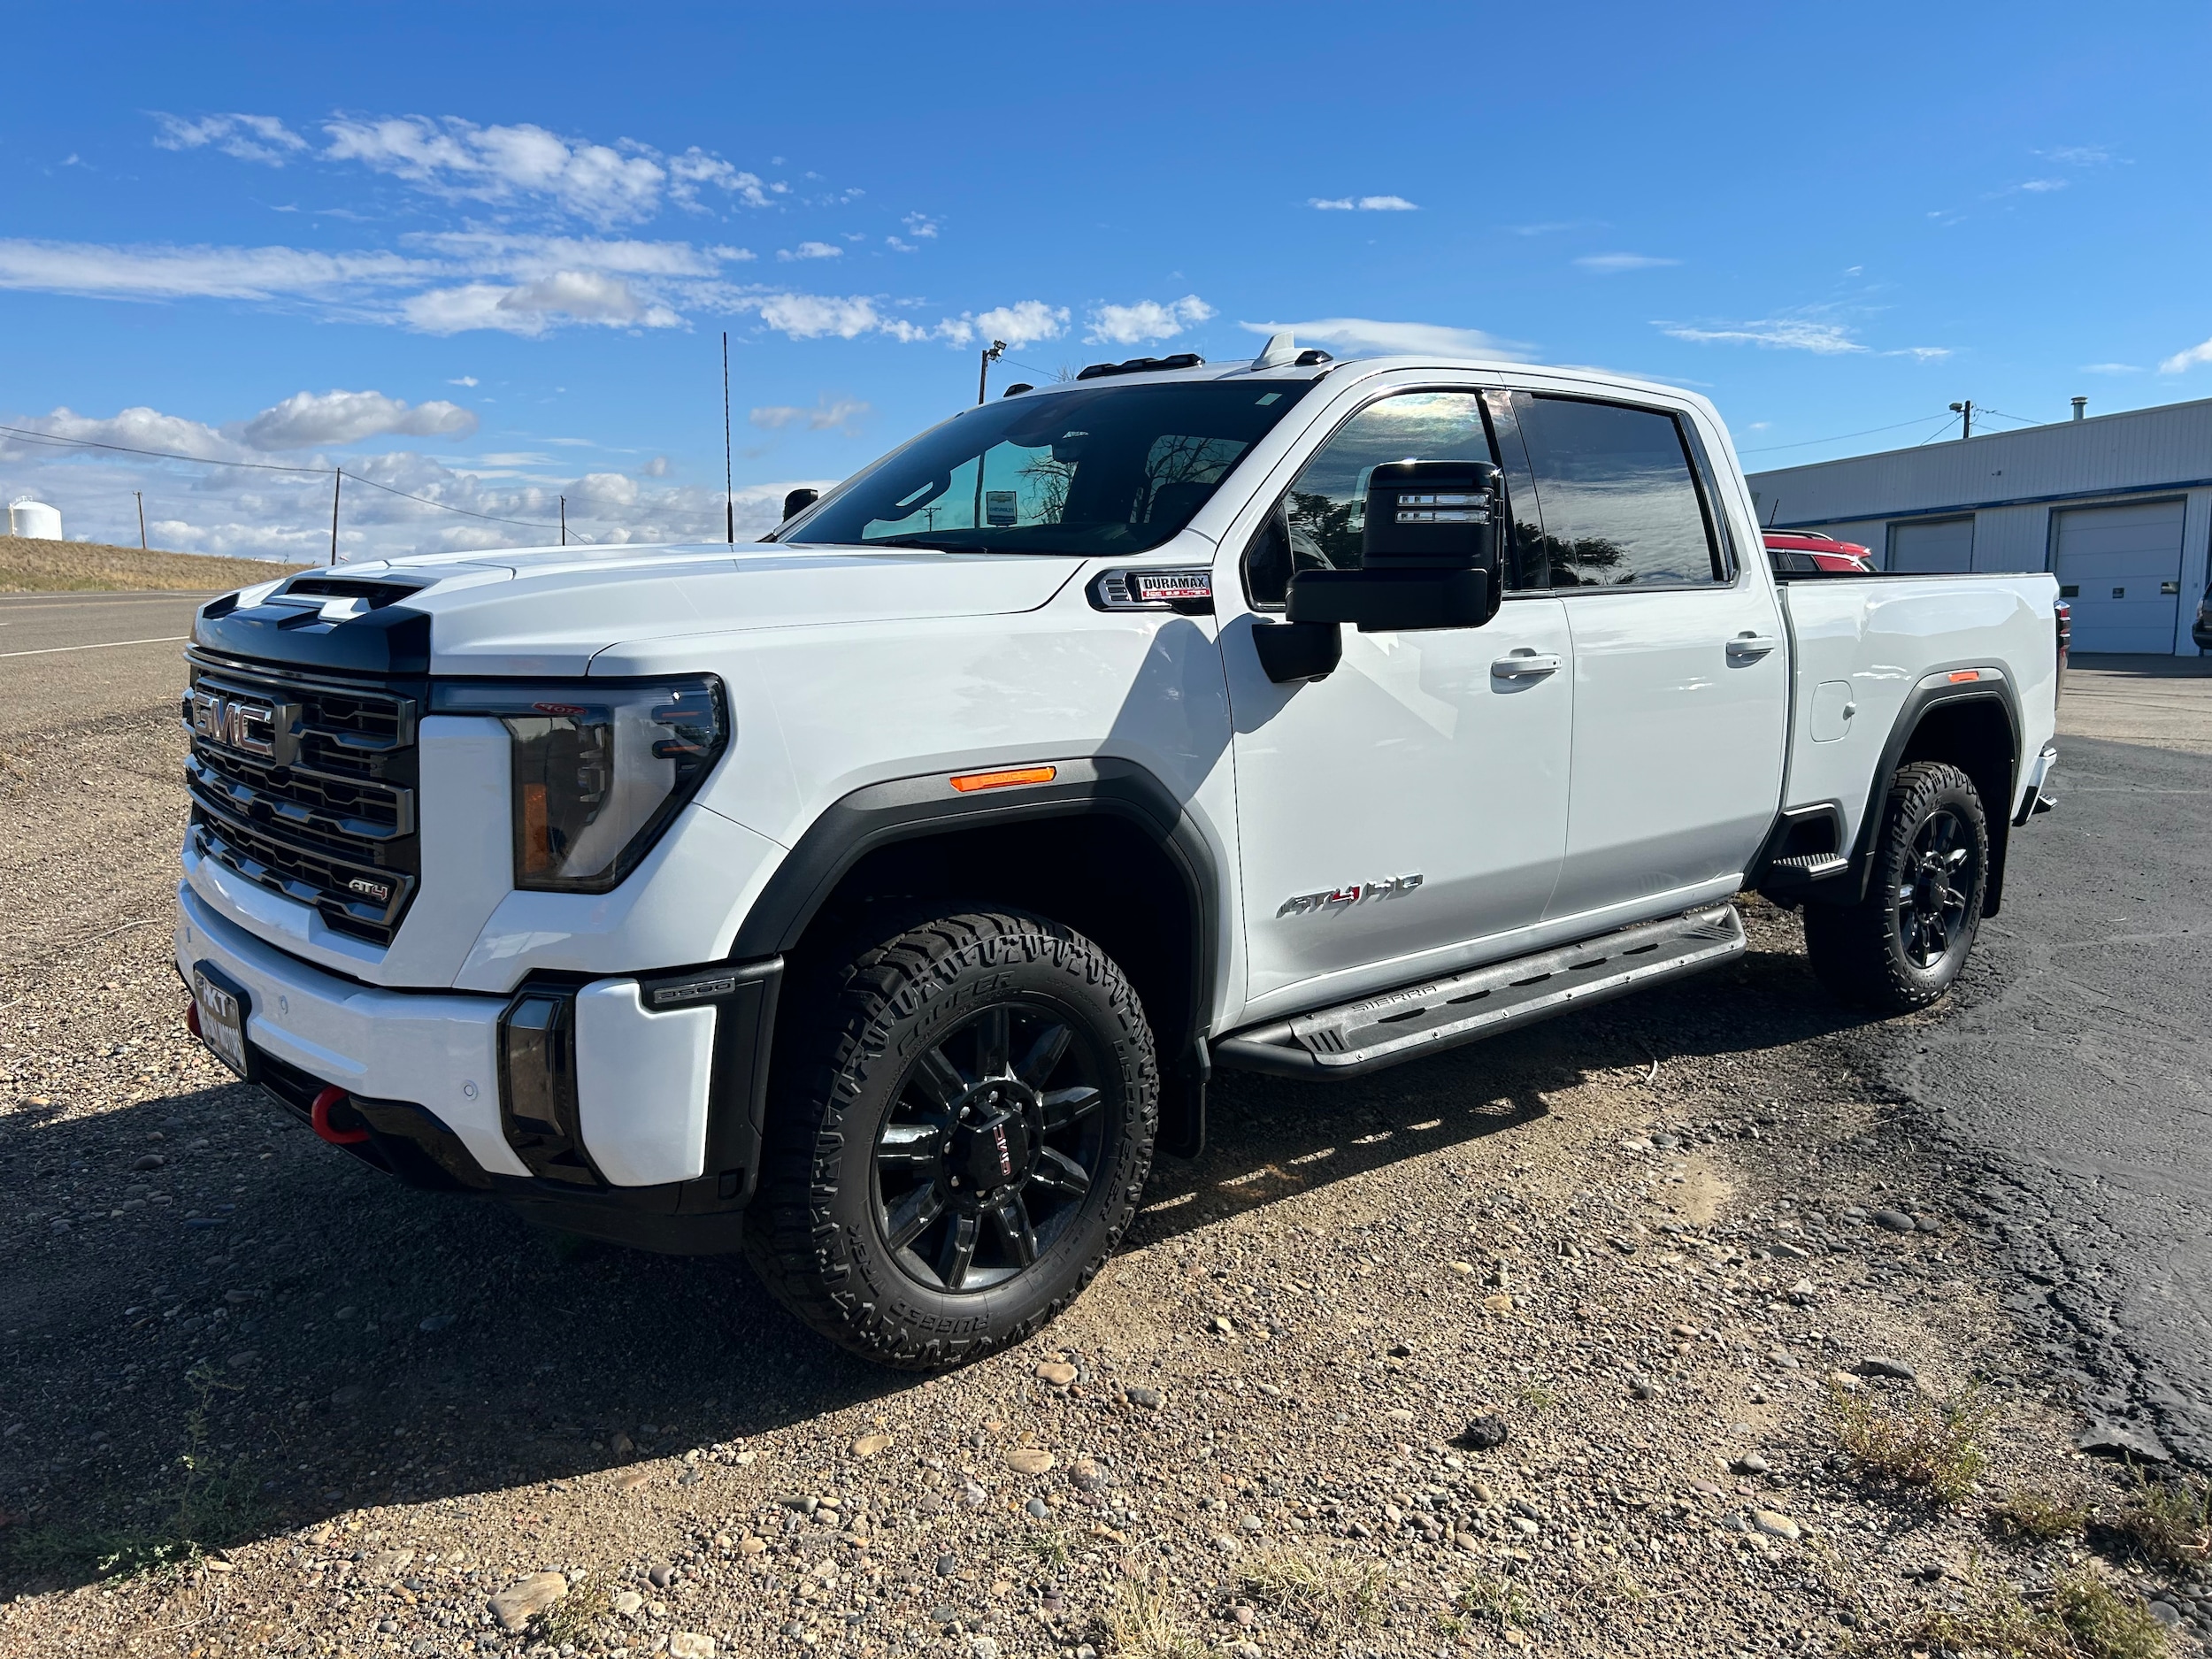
column 599, row 768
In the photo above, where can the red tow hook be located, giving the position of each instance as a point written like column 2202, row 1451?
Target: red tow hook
column 318, row 1115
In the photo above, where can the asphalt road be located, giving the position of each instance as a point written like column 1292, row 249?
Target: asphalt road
column 67, row 659
column 2074, row 1065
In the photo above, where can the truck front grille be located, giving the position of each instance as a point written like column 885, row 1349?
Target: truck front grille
column 305, row 785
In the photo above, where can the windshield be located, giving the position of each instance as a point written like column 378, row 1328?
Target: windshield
column 1097, row 470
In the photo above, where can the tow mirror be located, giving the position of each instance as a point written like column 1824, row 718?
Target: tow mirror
column 1429, row 554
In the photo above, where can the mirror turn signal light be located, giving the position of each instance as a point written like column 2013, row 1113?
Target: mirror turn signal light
column 967, row 783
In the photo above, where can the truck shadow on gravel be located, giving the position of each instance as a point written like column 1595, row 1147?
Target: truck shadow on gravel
column 318, row 1338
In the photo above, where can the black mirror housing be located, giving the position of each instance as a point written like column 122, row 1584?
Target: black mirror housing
column 797, row 501
column 1429, row 553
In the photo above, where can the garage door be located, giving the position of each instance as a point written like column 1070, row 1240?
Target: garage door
column 2119, row 567
column 1944, row 547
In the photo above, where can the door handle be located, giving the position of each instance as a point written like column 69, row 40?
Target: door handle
column 1524, row 665
column 1747, row 645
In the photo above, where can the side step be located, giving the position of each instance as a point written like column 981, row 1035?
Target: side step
column 1356, row 1038
column 1801, row 868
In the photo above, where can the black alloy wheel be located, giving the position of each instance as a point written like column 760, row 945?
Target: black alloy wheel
column 963, row 1120
column 1942, row 876
column 991, row 1146
column 1902, row 945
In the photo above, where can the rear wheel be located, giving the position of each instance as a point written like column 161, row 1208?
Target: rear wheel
column 1901, row 946
column 959, row 1140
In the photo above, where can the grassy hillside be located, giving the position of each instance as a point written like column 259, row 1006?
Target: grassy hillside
column 79, row 567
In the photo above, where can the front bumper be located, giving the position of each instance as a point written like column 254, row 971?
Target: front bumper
column 660, row 1081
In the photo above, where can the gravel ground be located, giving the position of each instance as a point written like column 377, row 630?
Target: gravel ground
column 1537, row 1344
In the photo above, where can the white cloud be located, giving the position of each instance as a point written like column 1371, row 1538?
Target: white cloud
column 531, row 308
column 201, row 273
column 261, row 138
column 1921, row 354
column 920, row 225
column 1145, row 321
column 305, row 419
column 454, row 158
column 2188, row 359
column 1613, row 263
column 2078, row 155
column 464, row 379
column 1788, row 334
column 827, row 414
column 811, row 250
column 695, row 167
column 813, row 316
column 1362, row 204
column 1352, row 336
column 2039, row 185
column 1022, row 324
column 2111, row 368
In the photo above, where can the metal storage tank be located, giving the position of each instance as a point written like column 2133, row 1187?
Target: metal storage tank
column 34, row 519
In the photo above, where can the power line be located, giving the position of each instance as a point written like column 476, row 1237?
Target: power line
column 159, row 455
column 1806, row 443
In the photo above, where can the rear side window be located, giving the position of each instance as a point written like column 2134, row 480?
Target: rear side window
column 1618, row 492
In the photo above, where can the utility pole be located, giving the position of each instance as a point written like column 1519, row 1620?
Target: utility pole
column 1965, row 413
column 564, row 521
column 992, row 353
column 141, row 514
column 337, row 481
column 729, row 495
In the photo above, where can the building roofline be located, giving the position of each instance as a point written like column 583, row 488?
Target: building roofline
column 1991, row 437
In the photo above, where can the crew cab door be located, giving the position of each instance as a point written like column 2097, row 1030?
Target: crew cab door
column 1681, row 693
column 1414, row 800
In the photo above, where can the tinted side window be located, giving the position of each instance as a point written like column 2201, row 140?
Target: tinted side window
column 1618, row 495
column 1322, row 519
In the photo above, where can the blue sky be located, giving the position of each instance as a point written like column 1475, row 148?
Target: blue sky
column 485, row 254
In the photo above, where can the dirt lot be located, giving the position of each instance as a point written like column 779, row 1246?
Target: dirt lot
column 30, row 566
column 1656, row 1330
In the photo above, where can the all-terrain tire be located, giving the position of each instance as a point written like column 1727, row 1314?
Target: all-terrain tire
column 873, row 1040
column 1902, row 945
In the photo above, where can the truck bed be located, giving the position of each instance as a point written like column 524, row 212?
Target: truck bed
column 1863, row 647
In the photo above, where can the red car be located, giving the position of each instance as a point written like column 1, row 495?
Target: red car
column 1801, row 553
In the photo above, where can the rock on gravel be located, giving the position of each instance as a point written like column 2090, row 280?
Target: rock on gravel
column 1894, row 1221
column 1484, row 1433
column 689, row 1644
column 1883, row 1365
column 868, row 1445
column 1029, row 1460
column 524, row 1600
column 1774, row 1525
column 2121, row 1439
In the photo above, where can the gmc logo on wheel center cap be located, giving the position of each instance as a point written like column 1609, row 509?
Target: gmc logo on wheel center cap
column 1005, row 1158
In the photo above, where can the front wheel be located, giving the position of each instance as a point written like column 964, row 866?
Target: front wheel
column 1901, row 947
column 959, row 1139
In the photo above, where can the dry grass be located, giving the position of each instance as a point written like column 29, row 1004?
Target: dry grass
column 2169, row 1523
column 571, row 1619
column 1334, row 1597
column 1902, row 1436
column 1499, row 1601
column 1141, row 1625
column 2087, row 1619
column 27, row 566
column 2028, row 1516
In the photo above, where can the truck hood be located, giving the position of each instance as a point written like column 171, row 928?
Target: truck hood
column 551, row 610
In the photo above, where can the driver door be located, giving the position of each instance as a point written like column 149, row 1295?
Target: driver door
column 1408, row 813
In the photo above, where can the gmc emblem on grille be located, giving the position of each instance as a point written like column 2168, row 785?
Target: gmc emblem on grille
column 267, row 731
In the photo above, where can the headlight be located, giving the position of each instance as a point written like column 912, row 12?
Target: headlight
column 599, row 768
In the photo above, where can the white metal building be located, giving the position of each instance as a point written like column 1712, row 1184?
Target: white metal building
column 2119, row 508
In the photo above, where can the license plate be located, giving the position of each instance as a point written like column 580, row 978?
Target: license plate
column 222, row 1007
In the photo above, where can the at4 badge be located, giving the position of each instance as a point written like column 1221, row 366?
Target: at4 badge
column 1344, row 898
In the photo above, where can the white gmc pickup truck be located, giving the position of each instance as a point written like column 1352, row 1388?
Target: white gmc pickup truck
column 873, row 899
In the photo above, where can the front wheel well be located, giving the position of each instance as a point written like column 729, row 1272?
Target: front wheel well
column 1098, row 873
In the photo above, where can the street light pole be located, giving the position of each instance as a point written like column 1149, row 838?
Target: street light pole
column 992, row 353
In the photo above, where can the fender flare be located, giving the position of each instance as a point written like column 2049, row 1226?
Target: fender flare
column 1917, row 706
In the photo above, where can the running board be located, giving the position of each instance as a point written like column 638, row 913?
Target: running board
column 1354, row 1039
